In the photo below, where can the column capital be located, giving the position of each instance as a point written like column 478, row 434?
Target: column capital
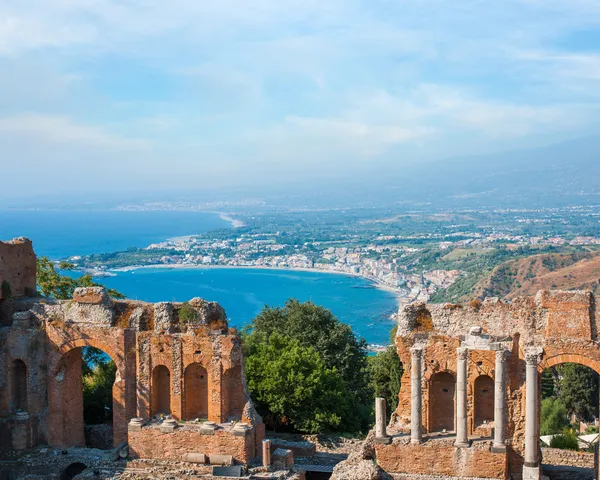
column 416, row 352
column 502, row 355
column 462, row 353
column 533, row 355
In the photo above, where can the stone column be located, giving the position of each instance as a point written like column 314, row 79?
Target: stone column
column 381, row 435
column 462, row 439
column 415, row 395
column 531, row 468
column 500, row 401
column 266, row 453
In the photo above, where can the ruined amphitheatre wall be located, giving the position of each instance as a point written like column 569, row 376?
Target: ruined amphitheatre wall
column 558, row 326
column 176, row 361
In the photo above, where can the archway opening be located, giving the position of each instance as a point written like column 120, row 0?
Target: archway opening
column 84, row 399
column 568, row 420
column 441, row 402
column 483, row 398
column 18, row 387
column 161, row 390
column 196, row 392
column 98, row 377
column 72, row 471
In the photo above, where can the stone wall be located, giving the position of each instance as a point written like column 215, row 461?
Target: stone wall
column 440, row 457
column 41, row 399
column 557, row 456
column 17, row 268
column 561, row 326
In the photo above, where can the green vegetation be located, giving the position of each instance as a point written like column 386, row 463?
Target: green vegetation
column 187, row 314
column 385, row 374
column 53, row 284
column 566, row 440
column 98, row 372
column 553, row 416
column 306, row 334
column 293, row 388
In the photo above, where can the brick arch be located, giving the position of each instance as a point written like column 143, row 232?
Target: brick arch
column 115, row 355
column 66, row 395
column 569, row 358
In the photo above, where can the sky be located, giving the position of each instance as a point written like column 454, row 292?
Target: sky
column 134, row 95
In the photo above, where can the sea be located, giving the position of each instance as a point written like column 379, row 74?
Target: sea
column 243, row 292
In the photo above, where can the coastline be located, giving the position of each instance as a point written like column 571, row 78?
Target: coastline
column 375, row 284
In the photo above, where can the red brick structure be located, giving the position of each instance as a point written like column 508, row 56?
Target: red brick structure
column 186, row 370
column 469, row 398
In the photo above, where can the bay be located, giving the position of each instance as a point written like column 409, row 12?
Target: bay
column 243, row 292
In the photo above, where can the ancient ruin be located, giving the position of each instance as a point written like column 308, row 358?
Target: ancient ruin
column 469, row 399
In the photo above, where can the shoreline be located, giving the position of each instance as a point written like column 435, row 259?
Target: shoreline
column 375, row 284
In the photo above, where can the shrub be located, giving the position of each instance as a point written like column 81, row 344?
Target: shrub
column 187, row 314
column 566, row 441
column 553, row 416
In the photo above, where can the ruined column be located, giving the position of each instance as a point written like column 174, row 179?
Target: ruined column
column 531, row 466
column 266, row 453
column 380, row 421
column 500, row 400
column 462, row 439
column 415, row 395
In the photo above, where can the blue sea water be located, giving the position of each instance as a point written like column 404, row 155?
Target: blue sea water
column 242, row 292
column 59, row 234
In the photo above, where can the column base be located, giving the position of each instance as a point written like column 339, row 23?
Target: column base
column 416, row 441
column 531, row 473
column 462, row 444
column 498, row 448
column 383, row 440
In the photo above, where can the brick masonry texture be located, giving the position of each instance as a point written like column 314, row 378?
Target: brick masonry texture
column 199, row 363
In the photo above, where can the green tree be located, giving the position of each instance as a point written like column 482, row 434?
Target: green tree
column 386, row 373
column 316, row 327
column 293, row 388
column 578, row 390
column 553, row 416
column 53, row 284
column 98, row 372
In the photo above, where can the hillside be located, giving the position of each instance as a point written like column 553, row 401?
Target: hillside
column 525, row 276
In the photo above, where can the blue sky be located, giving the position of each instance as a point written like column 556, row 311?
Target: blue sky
column 134, row 95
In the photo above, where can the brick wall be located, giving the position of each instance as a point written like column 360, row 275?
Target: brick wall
column 557, row 456
column 17, row 267
column 440, row 457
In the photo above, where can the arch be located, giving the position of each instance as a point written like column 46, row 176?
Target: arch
column 161, row 390
column 18, row 386
column 442, row 387
column 196, row 392
column 483, row 398
column 72, row 471
column 232, row 398
column 66, row 347
column 569, row 358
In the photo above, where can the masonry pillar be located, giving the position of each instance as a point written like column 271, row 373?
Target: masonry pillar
column 500, row 401
column 266, row 453
column 380, row 421
column 415, row 395
column 531, row 468
column 462, row 439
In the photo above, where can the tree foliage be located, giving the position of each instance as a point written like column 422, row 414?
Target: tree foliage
column 53, row 284
column 386, row 373
column 566, row 440
column 578, row 390
column 293, row 388
column 98, row 372
column 316, row 328
column 553, row 416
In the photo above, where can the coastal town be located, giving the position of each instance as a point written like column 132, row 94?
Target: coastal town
column 414, row 267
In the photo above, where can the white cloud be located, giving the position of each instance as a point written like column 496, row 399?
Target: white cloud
column 62, row 130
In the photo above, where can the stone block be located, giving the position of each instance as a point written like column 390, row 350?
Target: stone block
column 282, row 459
column 216, row 459
column 135, row 425
column 91, row 296
column 168, row 426
column 163, row 317
column 194, row 457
